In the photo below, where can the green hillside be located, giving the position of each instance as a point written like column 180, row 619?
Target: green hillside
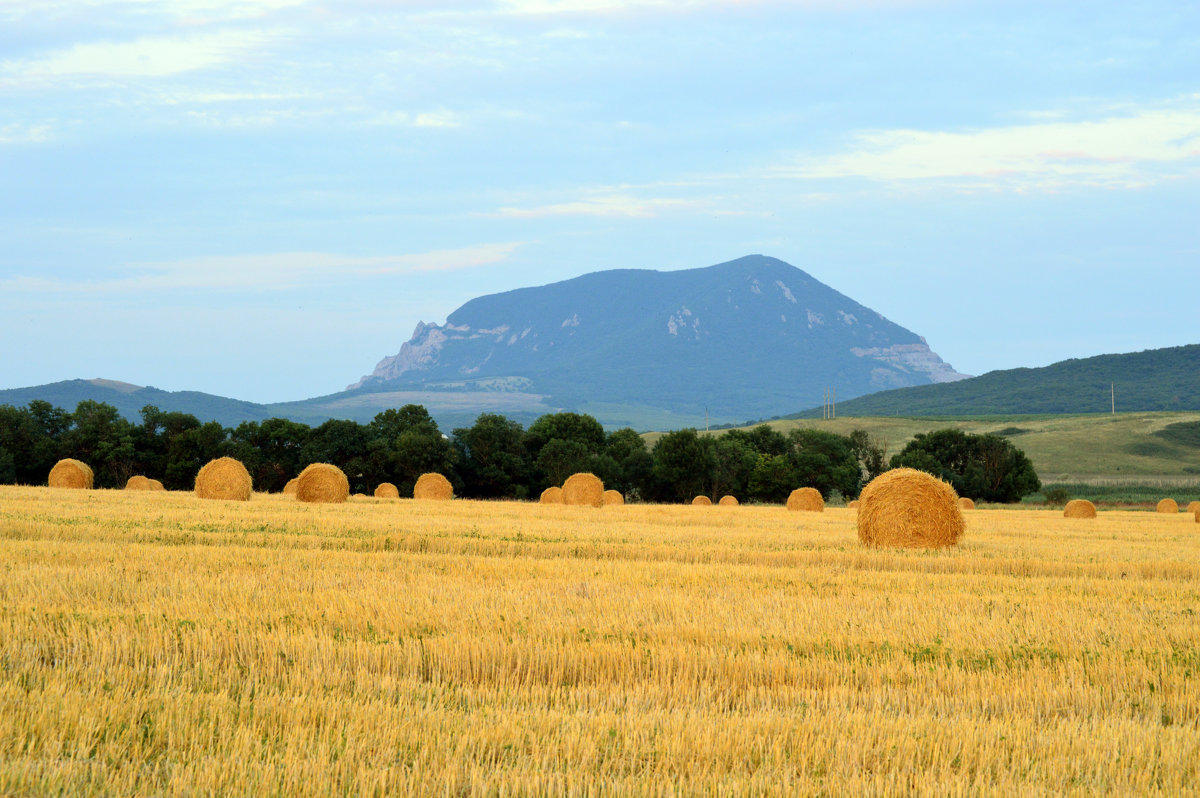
column 1153, row 380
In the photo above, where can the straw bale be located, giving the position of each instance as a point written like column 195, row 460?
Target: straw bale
column 1167, row 506
column 290, row 488
column 806, row 500
column 852, row 503
column 728, row 501
column 433, row 486
column 552, row 495
column 71, row 473
column 224, row 478
column 387, row 490
column 909, row 508
column 702, row 501
column 140, row 482
column 1193, row 507
column 322, row 483
column 613, row 497
column 1079, row 508
column 966, row 504
column 583, row 489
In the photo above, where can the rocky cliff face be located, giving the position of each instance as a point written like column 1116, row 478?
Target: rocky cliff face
column 751, row 337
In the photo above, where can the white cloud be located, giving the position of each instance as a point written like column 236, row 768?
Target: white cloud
column 619, row 205
column 1118, row 151
column 148, row 56
column 25, row 134
column 283, row 270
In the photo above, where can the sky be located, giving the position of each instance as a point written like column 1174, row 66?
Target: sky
column 261, row 198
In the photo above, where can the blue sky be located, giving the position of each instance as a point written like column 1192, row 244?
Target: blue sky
column 261, row 198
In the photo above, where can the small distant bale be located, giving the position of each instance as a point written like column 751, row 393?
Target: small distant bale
column 613, row 498
column 387, row 490
column 966, row 504
column 224, row 478
column 71, row 473
column 156, row 485
column 290, row 488
column 1167, row 506
column 434, row 487
column 806, row 500
column 140, row 482
column 322, row 483
column 1193, row 507
column 702, row 501
column 583, row 489
column 911, row 509
column 728, row 501
column 1079, row 508
column 551, row 495
column 852, row 504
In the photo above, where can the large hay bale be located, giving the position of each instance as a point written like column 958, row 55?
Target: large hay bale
column 702, row 501
column 966, row 504
column 1193, row 507
column 728, row 501
column 1167, row 506
column 322, row 483
column 140, row 482
column 584, row 490
column 71, row 473
column 224, row 478
column 1079, row 508
column 290, row 488
column 433, row 486
column 806, row 500
column 613, row 497
column 909, row 508
column 552, row 495
column 387, row 490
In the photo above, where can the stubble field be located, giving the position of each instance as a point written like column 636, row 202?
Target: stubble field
column 158, row 644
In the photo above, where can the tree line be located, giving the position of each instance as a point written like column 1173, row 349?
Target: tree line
column 496, row 457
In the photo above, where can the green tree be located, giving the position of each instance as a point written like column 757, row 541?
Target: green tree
column 985, row 467
column 774, row 477
column 825, row 461
column 273, row 451
column 683, row 466
column 493, row 460
column 405, row 443
column 102, row 438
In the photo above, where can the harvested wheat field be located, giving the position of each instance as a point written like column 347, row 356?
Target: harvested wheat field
column 163, row 645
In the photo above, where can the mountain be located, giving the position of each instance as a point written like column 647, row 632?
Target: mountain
column 1155, row 379
column 130, row 399
column 739, row 339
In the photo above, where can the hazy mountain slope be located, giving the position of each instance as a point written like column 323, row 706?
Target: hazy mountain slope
column 1156, row 379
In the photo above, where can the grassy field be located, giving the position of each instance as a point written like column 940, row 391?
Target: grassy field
column 156, row 644
column 1087, row 449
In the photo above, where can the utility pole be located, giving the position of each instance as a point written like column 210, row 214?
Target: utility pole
column 1112, row 386
column 833, row 402
column 706, row 419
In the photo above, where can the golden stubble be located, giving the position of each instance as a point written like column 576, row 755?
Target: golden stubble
column 153, row 643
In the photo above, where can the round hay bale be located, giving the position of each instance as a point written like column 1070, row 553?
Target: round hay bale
column 71, row 473
column 583, row 489
column 966, row 504
column 728, row 501
column 322, row 483
column 551, row 495
column 806, row 500
column 1079, row 508
column 387, row 490
column 852, row 504
column 140, row 482
column 224, row 478
column 613, row 497
column 909, row 508
column 433, row 486
column 702, row 501
column 1167, row 506
column 290, row 488
column 156, row 485
column 1193, row 507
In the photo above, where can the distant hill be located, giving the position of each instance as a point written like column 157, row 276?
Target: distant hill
column 1153, row 380
column 130, row 399
column 752, row 336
